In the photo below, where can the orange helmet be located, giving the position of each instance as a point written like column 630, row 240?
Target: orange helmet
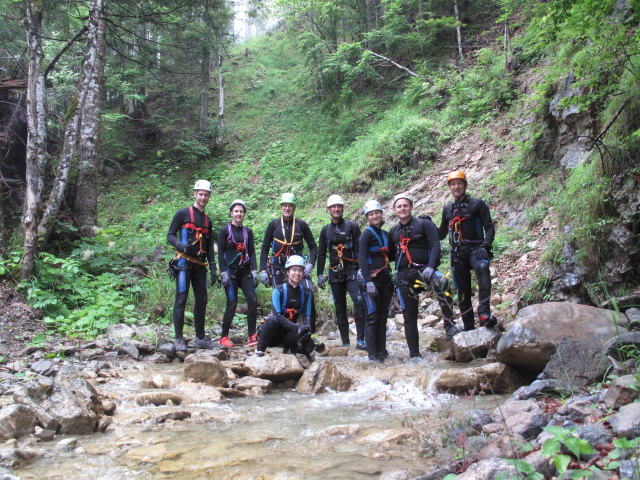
column 457, row 174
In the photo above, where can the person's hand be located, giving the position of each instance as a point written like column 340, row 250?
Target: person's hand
column 180, row 247
column 226, row 281
column 187, row 248
column 481, row 253
column 304, row 329
column 322, row 281
column 214, row 277
column 254, row 275
column 308, row 268
column 371, row 289
column 264, row 278
column 427, row 273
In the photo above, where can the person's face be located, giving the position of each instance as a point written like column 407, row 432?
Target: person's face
column 375, row 217
column 201, row 198
column 457, row 187
column 336, row 211
column 237, row 213
column 287, row 209
column 295, row 274
column 403, row 209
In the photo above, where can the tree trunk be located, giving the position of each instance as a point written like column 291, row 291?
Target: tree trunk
column 90, row 112
column 220, row 99
column 458, row 29
column 205, row 80
column 36, row 157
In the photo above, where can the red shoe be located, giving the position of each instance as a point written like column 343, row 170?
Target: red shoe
column 225, row 342
column 253, row 340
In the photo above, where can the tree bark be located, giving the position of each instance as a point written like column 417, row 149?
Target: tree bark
column 90, row 112
column 220, row 99
column 205, row 80
column 458, row 29
column 36, row 157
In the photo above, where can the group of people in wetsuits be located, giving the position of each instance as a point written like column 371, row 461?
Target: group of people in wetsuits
column 359, row 263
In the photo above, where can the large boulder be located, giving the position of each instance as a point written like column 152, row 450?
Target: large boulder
column 532, row 339
column 16, row 421
column 490, row 469
column 576, row 363
column 474, row 344
column 277, row 367
column 493, row 377
column 205, row 368
column 323, row 376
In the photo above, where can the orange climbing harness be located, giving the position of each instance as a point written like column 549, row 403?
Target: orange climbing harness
column 286, row 245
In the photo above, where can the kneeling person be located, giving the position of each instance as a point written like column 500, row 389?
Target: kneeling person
column 288, row 324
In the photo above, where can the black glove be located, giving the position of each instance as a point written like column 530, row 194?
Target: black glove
column 226, row 281
column 427, row 273
column 180, row 247
column 322, row 281
column 308, row 268
column 264, row 278
column 481, row 253
column 187, row 248
column 254, row 275
column 214, row 278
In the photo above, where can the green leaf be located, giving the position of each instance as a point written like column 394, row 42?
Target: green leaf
column 551, row 446
column 562, row 462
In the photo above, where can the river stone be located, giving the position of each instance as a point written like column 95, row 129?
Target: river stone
column 622, row 391
column 16, row 421
column 156, row 397
column 474, row 344
column 541, row 463
column 119, row 332
column 505, row 446
column 626, row 423
column 205, row 368
column 168, row 349
column 540, row 388
column 11, row 457
column 490, row 469
column 477, row 418
column 395, row 475
column 617, row 344
column 128, row 348
column 145, row 348
column 576, row 363
column 233, row 393
column 345, row 431
column 158, row 358
column 630, row 469
column 501, row 377
column 532, row 339
column 528, row 424
column 390, row 436
column 248, row 383
column 43, row 367
column 67, row 444
column 276, row 367
column 324, row 376
column 75, row 405
column 595, row 434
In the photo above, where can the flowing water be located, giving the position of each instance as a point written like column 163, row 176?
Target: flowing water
column 359, row 434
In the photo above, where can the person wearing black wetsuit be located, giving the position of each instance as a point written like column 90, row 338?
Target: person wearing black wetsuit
column 416, row 247
column 288, row 325
column 284, row 237
column 468, row 223
column 190, row 234
column 376, row 277
column 341, row 238
column 237, row 262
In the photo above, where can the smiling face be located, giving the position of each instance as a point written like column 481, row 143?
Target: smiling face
column 457, row 187
column 295, row 274
column 237, row 214
column 336, row 212
column 287, row 210
column 375, row 218
column 403, row 208
column 201, row 198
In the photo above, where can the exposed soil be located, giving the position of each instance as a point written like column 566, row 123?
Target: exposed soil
column 20, row 323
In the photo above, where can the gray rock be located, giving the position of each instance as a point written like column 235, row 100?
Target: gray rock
column 478, row 418
column 158, row 358
column 622, row 391
column 473, row 445
column 44, row 435
column 489, row 469
column 204, row 367
column 505, row 446
column 44, row 367
column 540, row 388
column 6, row 475
column 67, row 444
column 474, row 344
column 630, row 469
column 323, row 376
column 119, row 332
column 128, row 348
column 277, row 367
column 615, row 347
column 576, row 363
column 145, row 348
column 16, row 421
column 532, row 339
column 156, row 397
column 595, row 434
column 168, row 349
column 12, row 457
column 437, row 474
column 626, row 423
column 579, row 409
column 528, row 424
column 541, row 464
column 247, row 383
column 496, row 377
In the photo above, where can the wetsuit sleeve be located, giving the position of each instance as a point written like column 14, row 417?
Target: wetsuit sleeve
column 311, row 243
column 251, row 249
column 266, row 245
column 363, row 246
column 283, row 322
column 222, row 245
column 211, row 255
column 322, row 252
column 393, row 250
column 444, row 225
column 487, row 225
column 433, row 240
column 356, row 241
column 176, row 223
column 275, row 302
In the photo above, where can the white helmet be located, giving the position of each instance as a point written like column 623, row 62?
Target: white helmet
column 294, row 260
column 203, row 185
column 372, row 205
column 237, row 201
column 335, row 200
column 400, row 196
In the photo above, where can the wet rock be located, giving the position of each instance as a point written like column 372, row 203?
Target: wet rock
column 345, row 431
column 205, row 368
column 437, row 474
column 621, row 392
column 67, row 445
column 338, row 351
column 44, row 435
column 395, row 475
column 429, row 321
column 576, row 363
column 176, row 415
column 532, row 339
column 144, row 348
column 477, row 418
column 16, row 421
column 233, row 393
column 474, row 344
column 44, row 367
column 119, row 332
column 505, row 446
column 248, row 383
column 277, row 367
column 626, row 423
column 304, row 360
column 158, row 358
column 128, row 348
column 12, row 457
column 167, row 349
column 156, row 397
column 490, row 469
column 324, row 376
column 497, row 376
column 391, row 436
column 539, row 388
